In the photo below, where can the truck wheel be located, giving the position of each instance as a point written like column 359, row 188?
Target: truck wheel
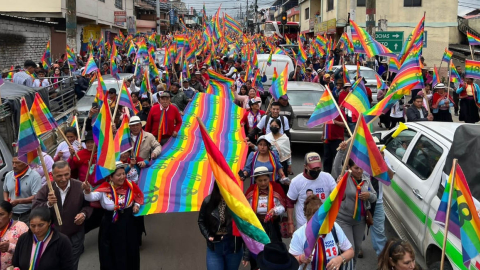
column 436, row 266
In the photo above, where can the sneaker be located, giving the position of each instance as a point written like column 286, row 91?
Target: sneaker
column 360, row 254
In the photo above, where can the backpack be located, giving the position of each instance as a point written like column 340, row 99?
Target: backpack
column 268, row 119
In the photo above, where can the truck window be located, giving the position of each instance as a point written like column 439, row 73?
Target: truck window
column 2, row 161
column 397, row 146
column 424, row 157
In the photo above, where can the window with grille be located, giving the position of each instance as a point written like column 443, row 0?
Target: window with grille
column 118, row 4
column 412, row 3
column 361, row 3
column 330, row 5
column 307, row 13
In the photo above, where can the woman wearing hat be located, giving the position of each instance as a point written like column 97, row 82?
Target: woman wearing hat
column 263, row 157
column 275, row 256
column 245, row 100
column 225, row 247
column 338, row 249
column 441, row 104
column 121, row 199
column 469, row 103
column 268, row 202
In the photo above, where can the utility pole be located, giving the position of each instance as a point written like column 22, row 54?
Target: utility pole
column 352, row 16
column 246, row 18
column 157, row 2
column 71, row 24
column 255, row 18
column 370, row 23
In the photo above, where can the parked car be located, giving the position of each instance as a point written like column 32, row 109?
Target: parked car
column 303, row 97
column 421, row 157
column 85, row 103
column 367, row 73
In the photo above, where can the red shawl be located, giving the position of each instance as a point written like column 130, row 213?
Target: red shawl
column 122, row 190
column 252, row 193
column 437, row 98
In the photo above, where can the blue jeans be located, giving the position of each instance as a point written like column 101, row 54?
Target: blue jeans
column 223, row 257
column 377, row 231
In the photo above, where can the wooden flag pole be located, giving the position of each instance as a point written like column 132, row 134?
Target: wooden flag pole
column 471, row 51
column 447, row 217
column 66, row 140
column 116, row 106
column 347, row 157
column 78, row 131
column 448, row 82
column 338, row 108
column 49, row 183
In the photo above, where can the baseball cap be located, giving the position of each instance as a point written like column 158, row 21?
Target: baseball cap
column 313, row 160
column 164, row 94
column 253, row 101
column 326, row 76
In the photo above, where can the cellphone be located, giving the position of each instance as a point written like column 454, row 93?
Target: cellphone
column 240, row 173
column 217, row 238
column 94, row 105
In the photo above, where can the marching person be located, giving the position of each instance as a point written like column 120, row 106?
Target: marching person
column 441, row 104
column 286, row 109
column 25, row 77
column 73, row 207
column 19, row 188
column 333, row 135
column 171, row 122
column 267, row 119
column 144, row 143
column 469, row 93
column 178, row 98
column 417, row 112
column 265, row 157
column 397, row 255
column 253, row 116
column 281, row 144
column 245, row 100
column 121, row 199
column 10, row 230
column 63, row 152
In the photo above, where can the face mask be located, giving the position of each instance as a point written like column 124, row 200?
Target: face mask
column 146, row 109
column 314, row 174
column 274, row 130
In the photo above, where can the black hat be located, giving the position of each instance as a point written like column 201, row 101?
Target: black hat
column 112, row 91
column 88, row 137
column 275, row 256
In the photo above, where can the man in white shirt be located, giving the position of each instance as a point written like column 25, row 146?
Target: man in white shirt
column 41, row 81
column 311, row 181
column 25, row 77
column 267, row 119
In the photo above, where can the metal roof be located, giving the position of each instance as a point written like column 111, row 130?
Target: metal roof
column 26, row 19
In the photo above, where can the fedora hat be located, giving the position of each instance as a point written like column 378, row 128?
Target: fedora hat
column 262, row 170
column 275, row 256
column 88, row 137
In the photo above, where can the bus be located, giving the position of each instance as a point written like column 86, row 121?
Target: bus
column 291, row 29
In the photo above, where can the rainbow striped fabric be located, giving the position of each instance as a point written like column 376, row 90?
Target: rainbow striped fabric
column 220, row 85
column 145, row 86
column 71, row 58
column 142, row 50
column 43, row 118
column 232, row 24
column 380, row 83
column 323, row 220
column 103, row 136
column 230, row 187
column 357, row 100
column 365, row 153
column 269, row 60
column 472, row 39
column 415, row 38
column 27, row 139
column 472, row 69
column 152, row 68
column 406, row 77
column 324, row 111
column 279, row 84
column 125, row 99
column 131, row 49
column 394, row 65
column 74, row 122
column 436, row 77
column 181, row 177
column 364, row 43
column 346, row 79
column 447, row 55
column 91, row 66
column 113, row 63
column 464, row 222
column 455, row 77
column 101, row 89
column 122, row 138
column 46, row 58
column 302, row 54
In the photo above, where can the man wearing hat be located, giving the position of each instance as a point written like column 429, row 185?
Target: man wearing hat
column 25, row 77
column 344, row 92
column 321, row 183
column 19, row 188
column 178, row 98
column 252, row 117
column 326, row 81
column 295, row 75
column 144, row 143
column 169, row 125
column 187, row 90
column 469, row 103
column 308, row 77
column 383, row 67
column 195, row 84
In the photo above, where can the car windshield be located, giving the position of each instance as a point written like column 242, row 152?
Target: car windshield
column 269, row 27
column 367, row 74
column 304, row 97
column 92, row 90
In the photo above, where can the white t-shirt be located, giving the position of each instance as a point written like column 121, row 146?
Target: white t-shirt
column 63, row 147
column 261, row 124
column 322, row 187
column 331, row 249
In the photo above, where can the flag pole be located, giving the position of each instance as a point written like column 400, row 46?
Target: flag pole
column 338, row 108
column 471, row 51
column 447, row 217
column 49, row 183
column 66, row 140
column 78, row 130
column 347, row 157
column 116, row 105
column 448, row 82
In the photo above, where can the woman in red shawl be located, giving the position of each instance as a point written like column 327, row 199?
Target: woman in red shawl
column 441, row 104
column 268, row 202
column 118, row 245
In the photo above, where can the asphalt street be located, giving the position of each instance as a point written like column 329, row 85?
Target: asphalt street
column 173, row 241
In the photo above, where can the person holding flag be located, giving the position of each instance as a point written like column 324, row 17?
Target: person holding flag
column 144, row 144
column 441, row 104
column 164, row 119
column 469, row 103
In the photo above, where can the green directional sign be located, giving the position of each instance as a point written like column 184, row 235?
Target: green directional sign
column 391, row 39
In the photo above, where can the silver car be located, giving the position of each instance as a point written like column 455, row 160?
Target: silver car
column 303, row 97
column 85, row 103
column 365, row 72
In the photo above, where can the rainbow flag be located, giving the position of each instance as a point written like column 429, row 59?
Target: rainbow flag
column 364, row 43
column 101, row 90
column 180, row 178
column 279, row 85
column 152, row 68
column 436, row 77
column 74, row 122
column 357, row 100
column 103, row 136
column 346, row 79
column 415, row 37
column 394, row 65
column 447, row 56
column 406, row 77
column 145, row 86
column 71, row 58
column 27, row 139
column 472, row 69
column 324, row 111
column 91, row 66
column 131, row 49
column 454, row 77
column 122, row 138
column 142, row 50
column 10, row 74
column 472, row 39
column 380, row 83
column 232, row 24
column 220, row 85
column 329, row 65
column 302, row 55
column 365, row 153
column 269, row 60
column 323, row 220
column 43, row 118
column 113, row 63
column 231, row 189
column 46, row 59
column 464, row 222
column 125, row 99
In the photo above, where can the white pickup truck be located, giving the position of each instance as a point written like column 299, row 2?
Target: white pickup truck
column 421, row 157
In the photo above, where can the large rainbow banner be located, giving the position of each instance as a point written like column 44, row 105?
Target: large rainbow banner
column 180, row 178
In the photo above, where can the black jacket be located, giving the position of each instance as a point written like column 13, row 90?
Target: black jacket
column 413, row 115
column 57, row 254
column 287, row 111
column 210, row 222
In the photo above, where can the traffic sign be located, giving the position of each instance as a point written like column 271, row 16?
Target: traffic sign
column 391, row 39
